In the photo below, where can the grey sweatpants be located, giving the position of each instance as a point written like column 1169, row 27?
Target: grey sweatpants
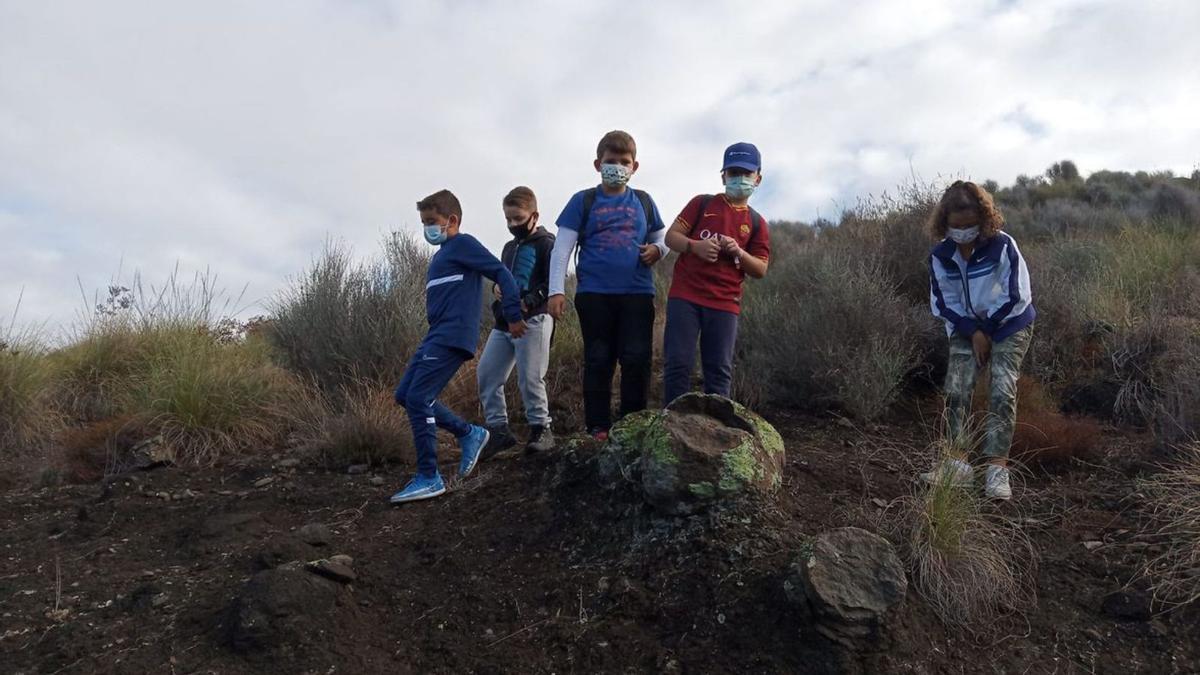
column 531, row 356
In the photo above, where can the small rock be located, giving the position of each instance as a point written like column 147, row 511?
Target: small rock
column 165, row 496
column 1093, row 635
column 225, row 493
column 316, row 534
column 264, row 482
column 358, row 469
column 879, row 502
column 377, row 481
column 342, row 559
column 1092, row 545
column 332, row 570
column 289, row 463
column 843, row 422
column 158, row 600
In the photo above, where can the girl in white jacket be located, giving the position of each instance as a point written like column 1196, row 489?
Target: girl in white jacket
column 979, row 286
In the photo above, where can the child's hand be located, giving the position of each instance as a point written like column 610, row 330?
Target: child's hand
column 557, row 306
column 649, row 254
column 707, row 249
column 982, row 345
column 497, row 292
column 517, row 329
column 729, row 247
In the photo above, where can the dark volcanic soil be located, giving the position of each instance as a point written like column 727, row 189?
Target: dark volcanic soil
column 525, row 569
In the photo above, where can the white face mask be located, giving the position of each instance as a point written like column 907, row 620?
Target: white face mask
column 614, row 175
column 963, row 236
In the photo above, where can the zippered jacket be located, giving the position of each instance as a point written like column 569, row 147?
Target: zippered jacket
column 990, row 292
column 454, row 292
column 529, row 261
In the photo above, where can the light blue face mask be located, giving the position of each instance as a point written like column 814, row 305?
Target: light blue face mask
column 739, row 187
column 435, row 234
column 614, row 175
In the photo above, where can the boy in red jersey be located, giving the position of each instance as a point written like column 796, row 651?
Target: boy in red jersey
column 720, row 240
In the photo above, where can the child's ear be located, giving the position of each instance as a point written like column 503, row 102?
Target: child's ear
column 758, row 179
column 635, row 167
column 596, row 164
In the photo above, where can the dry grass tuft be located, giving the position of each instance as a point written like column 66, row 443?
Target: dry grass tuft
column 1175, row 504
column 969, row 563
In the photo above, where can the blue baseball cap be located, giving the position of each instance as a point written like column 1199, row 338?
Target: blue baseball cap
column 742, row 156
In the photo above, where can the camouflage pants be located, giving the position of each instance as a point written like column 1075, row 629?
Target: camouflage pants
column 1005, row 368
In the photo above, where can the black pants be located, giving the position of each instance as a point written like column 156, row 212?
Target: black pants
column 615, row 328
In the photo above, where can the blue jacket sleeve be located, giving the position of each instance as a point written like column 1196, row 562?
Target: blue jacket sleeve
column 476, row 257
column 1015, row 280
column 944, row 298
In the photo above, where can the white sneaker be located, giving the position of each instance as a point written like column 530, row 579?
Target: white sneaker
column 995, row 484
column 957, row 472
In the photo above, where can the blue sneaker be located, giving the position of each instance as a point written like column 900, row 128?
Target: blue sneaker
column 471, row 444
column 420, row 487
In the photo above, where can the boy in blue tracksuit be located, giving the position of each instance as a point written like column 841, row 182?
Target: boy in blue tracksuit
column 453, row 293
column 979, row 287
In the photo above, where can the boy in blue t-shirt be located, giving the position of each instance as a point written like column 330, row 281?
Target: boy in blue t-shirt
column 619, row 233
column 453, row 295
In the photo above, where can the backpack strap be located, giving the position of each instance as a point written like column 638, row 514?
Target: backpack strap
column 756, row 222
column 589, row 200
column 704, row 200
column 647, row 208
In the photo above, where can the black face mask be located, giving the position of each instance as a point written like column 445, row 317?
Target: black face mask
column 523, row 230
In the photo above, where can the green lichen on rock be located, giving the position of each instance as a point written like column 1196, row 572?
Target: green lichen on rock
column 740, row 467
column 771, row 440
column 704, row 490
column 645, row 431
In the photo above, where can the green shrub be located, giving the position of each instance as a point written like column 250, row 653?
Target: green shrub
column 28, row 417
column 827, row 329
column 342, row 321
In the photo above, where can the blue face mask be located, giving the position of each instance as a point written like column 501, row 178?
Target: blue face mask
column 435, row 234
column 614, row 175
column 739, row 187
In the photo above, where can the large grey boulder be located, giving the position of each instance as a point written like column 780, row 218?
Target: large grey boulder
column 703, row 449
column 850, row 579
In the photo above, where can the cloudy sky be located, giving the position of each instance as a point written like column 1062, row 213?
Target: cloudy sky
column 238, row 137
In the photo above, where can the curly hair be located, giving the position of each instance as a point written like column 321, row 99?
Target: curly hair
column 966, row 196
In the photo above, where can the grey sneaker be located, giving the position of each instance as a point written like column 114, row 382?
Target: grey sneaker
column 541, row 439
column 995, row 483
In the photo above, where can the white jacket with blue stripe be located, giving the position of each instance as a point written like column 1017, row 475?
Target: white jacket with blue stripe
column 990, row 292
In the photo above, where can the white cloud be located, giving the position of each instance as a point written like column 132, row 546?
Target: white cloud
column 239, row 136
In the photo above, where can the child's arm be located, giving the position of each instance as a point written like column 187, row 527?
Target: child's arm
column 1014, row 276
column 945, row 299
column 564, row 246
column 756, row 256
column 569, row 222
column 476, row 257
column 655, row 248
column 678, row 239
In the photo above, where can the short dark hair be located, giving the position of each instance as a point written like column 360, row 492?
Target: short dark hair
column 966, row 196
column 616, row 141
column 443, row 202
column 521, row 197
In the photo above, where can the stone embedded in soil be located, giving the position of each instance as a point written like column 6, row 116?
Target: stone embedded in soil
column 357, row 469
column 703, row 449
column 282, row 606
column 282, row 550
column 264, row 482
column 331, row 569
column 316, row 534
column 850, row 580
column 377, row 481
column 289, row 463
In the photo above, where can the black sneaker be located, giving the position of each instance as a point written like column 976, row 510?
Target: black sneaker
column 501, row 440
column 541, row 439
